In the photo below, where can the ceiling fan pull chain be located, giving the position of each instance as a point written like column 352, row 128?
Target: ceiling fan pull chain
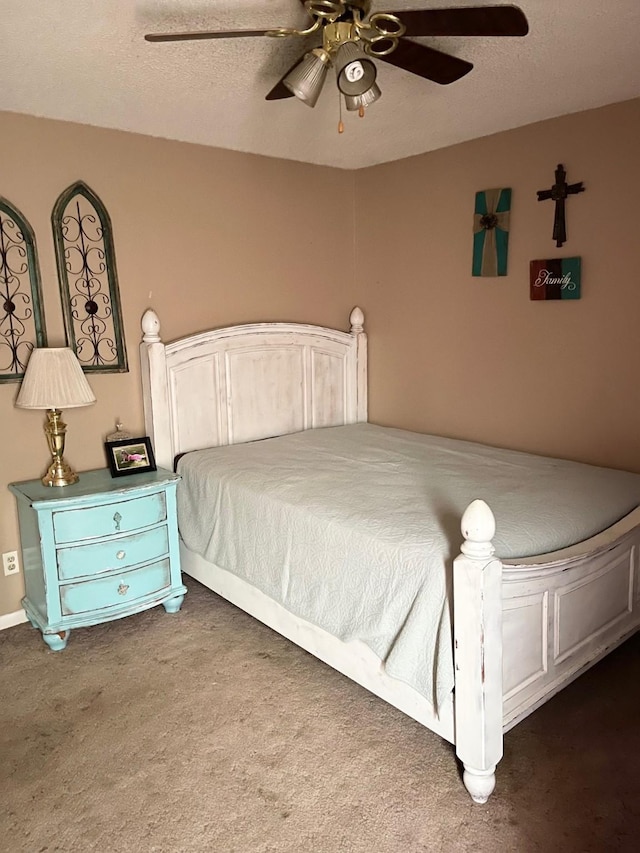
column 340, row 122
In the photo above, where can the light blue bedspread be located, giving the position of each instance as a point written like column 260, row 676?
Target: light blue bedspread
column 354, row 528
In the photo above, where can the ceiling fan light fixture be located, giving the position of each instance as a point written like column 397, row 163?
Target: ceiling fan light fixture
column 355, row 72
column 357, row 102
column 306, row 79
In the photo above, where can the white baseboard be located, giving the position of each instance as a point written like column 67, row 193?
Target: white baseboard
column 11, row 619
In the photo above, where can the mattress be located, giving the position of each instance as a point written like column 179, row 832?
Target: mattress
column 355, row 528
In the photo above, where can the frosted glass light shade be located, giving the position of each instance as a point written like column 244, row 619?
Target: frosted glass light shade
column 355, row 72
column 354, row 102
column 306, row 79
column 54, row 380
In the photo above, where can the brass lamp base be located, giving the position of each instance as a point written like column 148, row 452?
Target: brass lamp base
column 59, row 473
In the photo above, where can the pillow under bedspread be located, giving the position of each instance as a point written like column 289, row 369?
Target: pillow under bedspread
column 354, row 528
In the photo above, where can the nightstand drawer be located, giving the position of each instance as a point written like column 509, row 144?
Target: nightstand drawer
column 112, row 554
column 78, row 524
column 115, row 589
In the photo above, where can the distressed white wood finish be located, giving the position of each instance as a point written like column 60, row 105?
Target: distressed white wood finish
column 562, row 612
column 249, row 382
column 522, row 629
column 477, row 618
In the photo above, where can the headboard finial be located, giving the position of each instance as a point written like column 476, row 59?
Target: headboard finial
column 357, row 320
column 150, row 327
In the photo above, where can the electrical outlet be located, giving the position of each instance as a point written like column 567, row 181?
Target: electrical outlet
column 10, row 563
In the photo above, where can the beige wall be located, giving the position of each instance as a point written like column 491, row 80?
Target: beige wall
column 474, row 357
column 217, row 236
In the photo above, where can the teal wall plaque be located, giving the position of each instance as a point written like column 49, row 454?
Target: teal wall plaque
column 491, row 222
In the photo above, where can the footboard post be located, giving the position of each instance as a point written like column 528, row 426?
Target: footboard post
column 477, row 596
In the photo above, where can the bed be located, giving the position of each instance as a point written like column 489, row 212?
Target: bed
column 502, row 636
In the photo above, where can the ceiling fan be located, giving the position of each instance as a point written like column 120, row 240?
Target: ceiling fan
column 351, row 35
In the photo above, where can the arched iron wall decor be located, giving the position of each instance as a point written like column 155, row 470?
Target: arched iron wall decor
column 88, row 280
column 21, row 312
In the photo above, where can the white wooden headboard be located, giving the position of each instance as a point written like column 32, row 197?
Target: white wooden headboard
column 243, row 383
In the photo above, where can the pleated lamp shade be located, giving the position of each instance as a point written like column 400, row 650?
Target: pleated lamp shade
column 354, row 102
column 306, row 79
column 355, row 72
column 54, row 380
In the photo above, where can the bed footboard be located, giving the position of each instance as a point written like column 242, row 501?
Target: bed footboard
column 477, row 583
column 525, row 629
column 565, row 611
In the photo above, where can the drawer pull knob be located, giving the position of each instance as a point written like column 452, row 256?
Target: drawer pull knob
column 122, row 589
column 117, row 518
column 121, row 555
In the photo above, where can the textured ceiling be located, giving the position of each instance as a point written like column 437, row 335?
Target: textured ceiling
column 87, row 62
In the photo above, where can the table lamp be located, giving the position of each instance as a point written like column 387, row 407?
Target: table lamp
column 53, row 381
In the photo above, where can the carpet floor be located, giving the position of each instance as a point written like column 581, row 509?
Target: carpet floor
column 206, row 731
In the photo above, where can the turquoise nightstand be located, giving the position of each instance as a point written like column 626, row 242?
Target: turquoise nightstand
column 98, row 550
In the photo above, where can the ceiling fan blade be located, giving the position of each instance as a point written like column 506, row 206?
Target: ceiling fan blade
column 217, row 34
column 477, row 21
column 426, row 62
column 280, row 91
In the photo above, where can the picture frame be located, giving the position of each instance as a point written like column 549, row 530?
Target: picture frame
column 130, row 456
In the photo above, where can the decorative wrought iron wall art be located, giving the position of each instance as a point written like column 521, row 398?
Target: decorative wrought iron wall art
column 88, row 280
column 21, row 312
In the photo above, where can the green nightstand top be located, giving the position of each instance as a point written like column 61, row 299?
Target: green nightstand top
column 90, row 483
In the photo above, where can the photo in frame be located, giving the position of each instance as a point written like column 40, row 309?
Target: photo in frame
column 130, row 456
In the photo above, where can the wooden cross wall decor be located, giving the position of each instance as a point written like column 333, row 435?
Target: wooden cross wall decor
column 559, row 192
